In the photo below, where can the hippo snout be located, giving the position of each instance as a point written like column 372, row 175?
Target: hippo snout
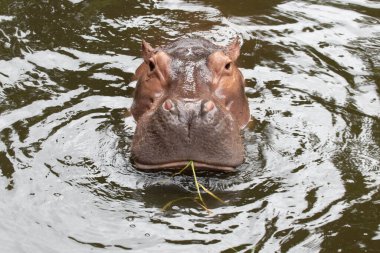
column 186, row 110
column 183, row 130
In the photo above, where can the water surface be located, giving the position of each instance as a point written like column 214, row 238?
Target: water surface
column 311, row 178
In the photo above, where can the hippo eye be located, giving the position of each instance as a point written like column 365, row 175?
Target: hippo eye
column 228, row 66
column 151, row 66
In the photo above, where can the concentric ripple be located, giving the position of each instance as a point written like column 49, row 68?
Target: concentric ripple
column 310, row 182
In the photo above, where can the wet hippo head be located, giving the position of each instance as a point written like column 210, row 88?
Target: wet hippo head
column 189, row 104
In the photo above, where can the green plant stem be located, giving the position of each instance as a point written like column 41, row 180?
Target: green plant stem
column 170, row 203
column 212, row 194
column 196, row 183
column 183, row 169
column 199, row 200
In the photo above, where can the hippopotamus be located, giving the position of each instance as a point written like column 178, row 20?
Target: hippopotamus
column 189, row 105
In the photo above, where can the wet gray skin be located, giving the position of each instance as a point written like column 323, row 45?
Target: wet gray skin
column 311, row 175
column 187, row 121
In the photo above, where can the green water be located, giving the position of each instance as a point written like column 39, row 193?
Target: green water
column 311, row 178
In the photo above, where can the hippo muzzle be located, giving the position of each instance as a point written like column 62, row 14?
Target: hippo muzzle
column 189, row 105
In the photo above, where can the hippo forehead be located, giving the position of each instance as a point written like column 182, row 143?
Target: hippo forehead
column 189, row 64
column 191, row 49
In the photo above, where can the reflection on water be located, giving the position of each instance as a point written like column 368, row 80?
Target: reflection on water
column 311, row 178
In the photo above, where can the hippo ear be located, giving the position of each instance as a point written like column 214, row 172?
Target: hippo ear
column 233, row 49
column 147, row 50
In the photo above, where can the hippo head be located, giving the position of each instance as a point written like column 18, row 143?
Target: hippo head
column 189, row 105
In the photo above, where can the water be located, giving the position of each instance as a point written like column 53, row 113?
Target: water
column 311, row 178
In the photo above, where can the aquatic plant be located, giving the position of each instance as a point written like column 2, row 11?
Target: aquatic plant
column 198, row 199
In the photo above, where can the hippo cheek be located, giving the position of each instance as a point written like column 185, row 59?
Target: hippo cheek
column 179, row 132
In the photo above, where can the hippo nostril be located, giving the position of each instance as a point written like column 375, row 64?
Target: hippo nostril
column 168, row 105
column 208, row 106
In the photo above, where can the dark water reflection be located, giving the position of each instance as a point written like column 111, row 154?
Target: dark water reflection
column 311, row 178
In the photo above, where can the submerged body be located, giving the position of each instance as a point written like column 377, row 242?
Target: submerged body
column 189, row 104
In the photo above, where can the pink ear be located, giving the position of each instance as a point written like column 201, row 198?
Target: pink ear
column 233, row 49
column 147, row 50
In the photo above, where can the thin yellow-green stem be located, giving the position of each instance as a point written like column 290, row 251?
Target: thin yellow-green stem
column 235, row 250
column 196, row 183
column 197, row 200
column 212, row 194
column 182, row 170
column 170, row 203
